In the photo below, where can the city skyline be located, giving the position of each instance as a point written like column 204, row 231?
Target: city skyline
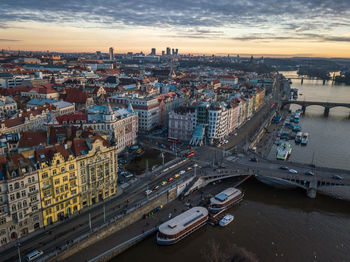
column 302, row 28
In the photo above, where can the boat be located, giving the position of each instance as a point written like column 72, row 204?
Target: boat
column 298, row 137
column 283, row 151
column 305, row 139
column 226, row 220
column 225, row 199
column 179, row 227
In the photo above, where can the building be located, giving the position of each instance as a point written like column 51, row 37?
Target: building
column 43, row 92
column 168, row 51
column 111, row 53
column 97, row 168
column 20, row 206
column 153, row 51
column 182, row 123
column 8, row 106
column 59, row 191
column 121, row 122
column 217, row 122
column 146, row 107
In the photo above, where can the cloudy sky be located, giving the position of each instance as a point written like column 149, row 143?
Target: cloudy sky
column 260, row 27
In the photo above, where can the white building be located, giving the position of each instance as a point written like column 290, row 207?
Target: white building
column 182, row 122
column 146, row 107
column 217, row 122
column 8, row 106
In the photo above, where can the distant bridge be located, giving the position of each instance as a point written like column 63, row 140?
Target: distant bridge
column 304, row 104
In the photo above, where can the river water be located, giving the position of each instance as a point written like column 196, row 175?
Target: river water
column 329, row 139
column 281, row 225
column 274, row 224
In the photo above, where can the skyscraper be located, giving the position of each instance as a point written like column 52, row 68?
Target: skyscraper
column 153, row 51
column 168, row 51
column 176, row 51
column 163, row 52
column 111, row 53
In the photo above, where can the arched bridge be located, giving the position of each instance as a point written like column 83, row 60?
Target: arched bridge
column 304, row 104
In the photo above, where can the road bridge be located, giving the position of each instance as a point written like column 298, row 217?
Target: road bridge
column 304, row 104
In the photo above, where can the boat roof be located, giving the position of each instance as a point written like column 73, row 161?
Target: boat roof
column 225, row 195
column 180, row 222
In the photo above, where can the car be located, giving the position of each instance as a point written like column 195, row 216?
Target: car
column 254, row 159
column 189, row 168
column 293, row 171
column 284, row 167
column 34, row 255
column 309, row 173
column 170, row 179
column 148, row 192
column 155, row 188
column 182, row 172
column 177, row 176
column 163, row 183
column 337, row 177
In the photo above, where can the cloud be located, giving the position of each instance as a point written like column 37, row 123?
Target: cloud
column 8, row 40
column 192, row 19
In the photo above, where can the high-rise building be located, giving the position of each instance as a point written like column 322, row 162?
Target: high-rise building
column 98, row 54
column 176, row 51
column 153, row 51
column 163, row 53
column 111, row 53
column 173, row 51
column 168, row 51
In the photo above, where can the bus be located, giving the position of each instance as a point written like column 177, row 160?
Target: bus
column 189, row 154
column 173, row 140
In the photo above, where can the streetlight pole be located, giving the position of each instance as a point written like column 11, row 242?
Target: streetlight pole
column 90, row 222
column 19, row 251
column 195, row 169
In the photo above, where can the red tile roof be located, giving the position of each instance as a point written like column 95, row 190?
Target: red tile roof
column 75, row 95
column 31, row 139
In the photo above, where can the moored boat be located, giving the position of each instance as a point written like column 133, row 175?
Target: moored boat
column 226, row 220
column 283, row 151
column 305, row 139
column 182, row 225
column 298, row 137
column 225, row 199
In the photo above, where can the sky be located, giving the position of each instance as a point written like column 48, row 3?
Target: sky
column 315, row 28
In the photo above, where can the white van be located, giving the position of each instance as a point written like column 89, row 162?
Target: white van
column 34, row 255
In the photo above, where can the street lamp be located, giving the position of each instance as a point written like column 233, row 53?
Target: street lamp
column 19, row 250
column 195, row 169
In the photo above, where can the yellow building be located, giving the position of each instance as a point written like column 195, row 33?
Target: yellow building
column 58, row 183
column 260, row 96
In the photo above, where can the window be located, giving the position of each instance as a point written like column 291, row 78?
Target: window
column 54, row 172
column 25, row 203
column 71, row 167
column 19, row 205
column 32, row 189
column 2, row 220
column 14, row 207
column 12, row 197
column 57, row 181
column 22, row 183
column 63, row 170
column 45, row 175
column 34, row 208
column 23, row 193
column 65, row 178
column 29, row 180
column 18, row 195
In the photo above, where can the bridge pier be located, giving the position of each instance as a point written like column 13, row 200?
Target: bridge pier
column 311, row 192
column 326, row 111
column 303, row 108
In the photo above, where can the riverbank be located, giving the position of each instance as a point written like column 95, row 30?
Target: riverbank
column 141, row 226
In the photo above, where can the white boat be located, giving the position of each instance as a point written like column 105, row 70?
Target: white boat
column 179, row 227
column 225, row 199
column 305, row 139
column 298, row 137
column 283, row 151
column 226, row 220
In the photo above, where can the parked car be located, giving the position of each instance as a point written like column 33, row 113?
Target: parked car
column 163, row 183
column 34, row 255
column 170, row 179
column 284, row 167
column 189, row 168
column 309, row 173
column 254, row 159
column 293, row 171
column 177, row 176
column 155, row 188
column 182, row 172
column 337, row 177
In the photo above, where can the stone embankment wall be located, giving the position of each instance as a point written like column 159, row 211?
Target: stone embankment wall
column 120, row 224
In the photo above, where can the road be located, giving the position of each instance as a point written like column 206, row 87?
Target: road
column 272, row 168
column 57, row 235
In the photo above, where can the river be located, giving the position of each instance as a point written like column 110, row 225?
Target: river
column 329, row 139
column 282, row 225
column 274, row 224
